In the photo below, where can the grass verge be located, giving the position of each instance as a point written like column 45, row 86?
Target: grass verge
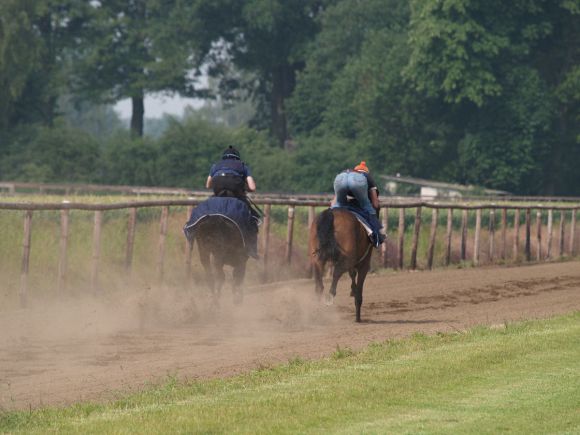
column 517, row 378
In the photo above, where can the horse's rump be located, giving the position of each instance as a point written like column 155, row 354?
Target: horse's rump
column 218, row 215
column 218, row 230
column 339, row 236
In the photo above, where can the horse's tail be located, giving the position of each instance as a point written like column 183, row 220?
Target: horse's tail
column 327, row 246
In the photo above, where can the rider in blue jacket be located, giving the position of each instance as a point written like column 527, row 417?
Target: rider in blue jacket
column 233, row 178
column 230, row 176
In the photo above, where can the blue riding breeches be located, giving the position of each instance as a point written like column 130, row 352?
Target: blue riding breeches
column 355, row 184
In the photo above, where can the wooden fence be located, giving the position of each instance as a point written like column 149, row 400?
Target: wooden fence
column 18, row 187
column 537, row 246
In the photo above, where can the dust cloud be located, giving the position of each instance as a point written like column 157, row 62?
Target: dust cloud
column 280, row 307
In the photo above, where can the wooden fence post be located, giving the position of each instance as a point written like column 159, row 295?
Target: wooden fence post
column 290, row 234
column 266, row 237
column 448, row 236
column 162, row 237
column 477, row 236
column 550, row 235
column 416, row 232
column 528, row 235
column 311, row 218
column 384, row 250
column 432, row 235
column 188, row 248
column 23, row 291
column 516, row 249
column 491, row 235
column 573, row 233
column 539, row 235
column 401, row 247
column 131, row 223
column 504, row 225
column 562, row 231
column 96, row 250
column 464, row 235
column 62, row 260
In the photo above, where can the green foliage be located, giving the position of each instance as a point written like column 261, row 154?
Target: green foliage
column 186, row 151
column 18, row 54
column 130, row 161
column 507, row 139
column 98, row 120
column 51, row 155
column 270, row 40
column 472, row 91
column 332, row 50
column 458, row 90
column 37, row 38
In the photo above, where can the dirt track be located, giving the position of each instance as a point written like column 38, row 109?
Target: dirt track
column 90, row 350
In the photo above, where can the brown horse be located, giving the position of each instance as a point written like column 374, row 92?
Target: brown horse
column 339, row 238
column 220, row 243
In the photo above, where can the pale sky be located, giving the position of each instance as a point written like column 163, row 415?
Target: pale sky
column 157, row 105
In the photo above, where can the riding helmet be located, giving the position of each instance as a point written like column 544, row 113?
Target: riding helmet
column 231, row 153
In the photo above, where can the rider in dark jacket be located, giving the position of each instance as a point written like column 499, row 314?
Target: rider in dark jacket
column 232, row 177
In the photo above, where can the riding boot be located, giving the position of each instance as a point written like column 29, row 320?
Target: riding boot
column 252, row 239
column 376, row 226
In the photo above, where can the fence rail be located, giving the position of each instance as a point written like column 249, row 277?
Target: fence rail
column 15, row 187
column 536, row 242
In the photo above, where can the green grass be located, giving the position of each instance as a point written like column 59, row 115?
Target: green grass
column 517, row 378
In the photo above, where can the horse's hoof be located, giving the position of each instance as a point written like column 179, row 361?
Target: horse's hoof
column 329, row 300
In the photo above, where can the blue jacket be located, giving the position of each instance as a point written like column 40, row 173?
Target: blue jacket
column 230, row 167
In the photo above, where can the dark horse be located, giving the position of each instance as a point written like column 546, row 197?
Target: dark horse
column 221, row 243
column 339, row 238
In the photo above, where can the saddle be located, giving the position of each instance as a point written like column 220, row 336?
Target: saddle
column 370, row 223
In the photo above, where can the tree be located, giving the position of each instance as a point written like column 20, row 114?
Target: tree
column 135, row 47
column 507, row 65
column 268, row 38
column 37, row 40
column 345, row 28
column 352, row 89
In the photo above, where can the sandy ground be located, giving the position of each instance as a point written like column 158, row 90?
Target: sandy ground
column 98, row 350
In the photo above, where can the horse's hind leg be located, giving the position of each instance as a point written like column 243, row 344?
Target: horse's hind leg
column 204, row 257
column 318, row 269
column 220, row 277
column 358, row 294
column 352, row 274
column 336, row 274
column 239, row 274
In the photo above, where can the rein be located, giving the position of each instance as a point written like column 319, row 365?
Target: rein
column 365, row 254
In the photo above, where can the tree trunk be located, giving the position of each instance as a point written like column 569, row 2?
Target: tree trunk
column 554, row 184
column 137, row 115
column 278, row 109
